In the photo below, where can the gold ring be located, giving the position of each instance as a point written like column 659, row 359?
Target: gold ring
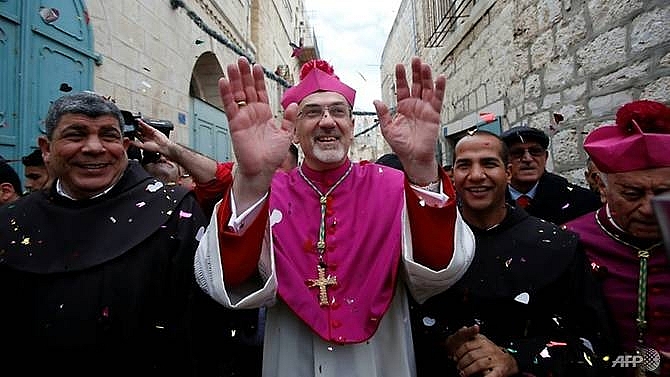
column 241, row 103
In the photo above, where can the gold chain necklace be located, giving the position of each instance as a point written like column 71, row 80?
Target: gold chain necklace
column 322, row 281
column 651, row 359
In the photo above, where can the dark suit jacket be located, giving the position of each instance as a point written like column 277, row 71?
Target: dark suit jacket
column 559, row 201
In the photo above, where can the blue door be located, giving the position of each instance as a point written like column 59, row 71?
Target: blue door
column 9, row 78
column 46, row 50
column 210, row 131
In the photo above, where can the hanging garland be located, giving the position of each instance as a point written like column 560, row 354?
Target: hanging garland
column 238, row 50
column 214, row 34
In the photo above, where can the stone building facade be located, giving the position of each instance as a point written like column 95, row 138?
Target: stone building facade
column 156, row 58
column 528, row 60
column 368, row 143
column 167, row 44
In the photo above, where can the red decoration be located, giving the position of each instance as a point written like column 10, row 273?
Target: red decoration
column 487, row 117
column 318, row 64
column 650, row 116
column 297, row 49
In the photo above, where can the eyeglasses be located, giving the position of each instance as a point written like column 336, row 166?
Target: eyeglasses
column 535, row 151
column 313, row 112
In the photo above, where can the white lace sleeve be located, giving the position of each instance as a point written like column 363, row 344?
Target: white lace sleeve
column 424, row 282
column 209, row 273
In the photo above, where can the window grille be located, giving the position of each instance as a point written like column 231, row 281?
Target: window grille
column 441, row 17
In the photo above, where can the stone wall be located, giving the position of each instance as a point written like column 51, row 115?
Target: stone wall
column 582, row 60
column 368, row 143
column 149, row 50
column 275, row 24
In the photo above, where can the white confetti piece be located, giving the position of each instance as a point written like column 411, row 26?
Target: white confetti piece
column 523, row 298
column 275, row 217
column 200, row 233
column 185, row 214
column 428, row 321
column 140, row 204
column 153, row 187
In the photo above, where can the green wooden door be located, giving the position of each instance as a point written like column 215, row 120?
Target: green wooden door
column 210, row 131
column 46, row 50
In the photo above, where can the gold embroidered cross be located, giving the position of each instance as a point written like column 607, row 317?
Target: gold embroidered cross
column 322, row 282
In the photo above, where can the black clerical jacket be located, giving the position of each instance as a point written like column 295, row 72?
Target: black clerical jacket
column 103, row 286
column 529, row 285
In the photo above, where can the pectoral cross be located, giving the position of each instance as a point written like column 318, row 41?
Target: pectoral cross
column 322, row 282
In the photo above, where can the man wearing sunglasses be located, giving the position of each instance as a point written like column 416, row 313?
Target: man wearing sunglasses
column 542, row 194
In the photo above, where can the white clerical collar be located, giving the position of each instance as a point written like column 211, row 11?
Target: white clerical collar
column 61, row 191
column 515, row 194
column 611, row 219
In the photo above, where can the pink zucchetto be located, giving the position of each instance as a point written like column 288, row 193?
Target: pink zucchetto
column 317, row 76
column 639, row 140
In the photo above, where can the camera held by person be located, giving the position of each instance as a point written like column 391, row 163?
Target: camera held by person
column 130, row 128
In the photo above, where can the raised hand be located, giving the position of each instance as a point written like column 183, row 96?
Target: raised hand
column 201, row 167
column 259, row 142
column 150, row 139
column 412, row 133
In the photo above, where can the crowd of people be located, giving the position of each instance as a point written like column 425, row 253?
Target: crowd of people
column 294, row 260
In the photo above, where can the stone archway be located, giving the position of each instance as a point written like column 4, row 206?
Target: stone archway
column 205, row 78
column 209, row 123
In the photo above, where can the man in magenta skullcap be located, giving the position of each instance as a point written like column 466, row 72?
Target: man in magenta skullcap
column 623, row 239
column 333, row 247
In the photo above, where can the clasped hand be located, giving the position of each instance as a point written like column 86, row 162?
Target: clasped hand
column 477, row 355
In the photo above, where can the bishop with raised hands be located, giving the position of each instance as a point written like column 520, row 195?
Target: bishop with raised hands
column 333, row 247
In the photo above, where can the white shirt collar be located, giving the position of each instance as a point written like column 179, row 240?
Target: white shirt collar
column 515, row 194
column 61, row 191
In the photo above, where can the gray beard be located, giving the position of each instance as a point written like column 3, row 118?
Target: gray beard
column 329, row 156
